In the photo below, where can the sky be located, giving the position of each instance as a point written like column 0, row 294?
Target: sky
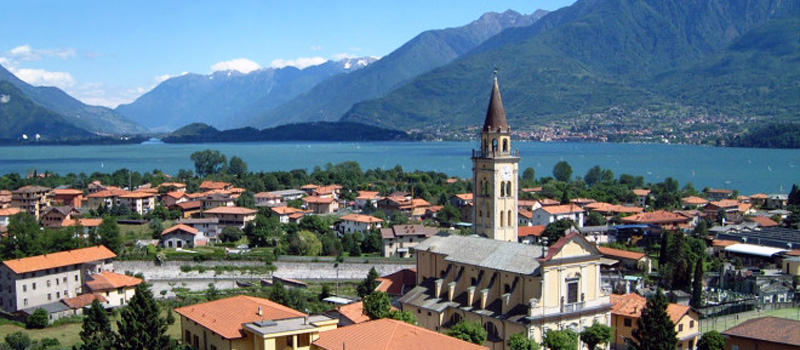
column 111, row 52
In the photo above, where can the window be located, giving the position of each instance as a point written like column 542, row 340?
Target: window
column 502, row 189
column 196, row 341
column 48, row 283
column 502, row 222
column 58, row 295
column 505, row 145
column 680, row 327
column 33, row 286
column 509, row 218
column 49, row 296
column 25, row 302
column 627, row 322
column 572, row 292
column 691, row 324
column 76, row 278
column 491, row 329
column 24, row 287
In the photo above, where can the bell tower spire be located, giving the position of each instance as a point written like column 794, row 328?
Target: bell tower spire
column 495, row 175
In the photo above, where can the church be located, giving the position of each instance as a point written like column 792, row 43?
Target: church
column 488, row 277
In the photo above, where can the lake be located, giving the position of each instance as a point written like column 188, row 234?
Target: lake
column 748, row 170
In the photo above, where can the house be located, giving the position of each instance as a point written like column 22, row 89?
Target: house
column 180, row 236
column 68, row 196
column 38, row 280
column 764, row 333
column 188, row 209
column 55, row 216
column 330, row 191
column 289, row 195
column 214, row 200
column 171, row 198
column 172, row 187
column 116, row 288
column 349, row 314
column 508, row 287
column 777, row 201
column 413, row 207
column 530, row 234
column 249, row 323
column 321, row 205
column 5, row 199
column 388, row 334
column 288, row 214
column 734, row 211
column 525, row 218
column 628, row 308
column 309, row 189
column 208, row 227
column 358, row 223
column 398, row 240
column 609, row 210
column 268, row 199
column 693, row 202
column 141, row 202
column 762, row 221
column 367, row 199
column 88, row 224
column 628, row 260
column 550, row 214
column 32, row 199
column 232, row 216
column 461, row 200
column 107, row 197
column 396, row 284
column 215, row 185
column 642, row 196
column 659, row 217
column 718, row 194
column 759, row 199
column 6, row 214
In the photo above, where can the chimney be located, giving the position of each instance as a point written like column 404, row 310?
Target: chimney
column 260, row 311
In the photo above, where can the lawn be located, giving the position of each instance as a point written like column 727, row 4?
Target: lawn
column 67, row 334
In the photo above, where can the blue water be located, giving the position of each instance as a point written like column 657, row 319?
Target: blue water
column 748, row 170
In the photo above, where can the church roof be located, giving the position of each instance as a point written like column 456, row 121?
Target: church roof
column 496, row 115
column 484, row 252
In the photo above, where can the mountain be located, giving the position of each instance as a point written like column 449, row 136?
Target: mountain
column 221, row 97
column 590, row 57
column 96, row 119
column 332, row 98
column 21, row 116
column 315, row 131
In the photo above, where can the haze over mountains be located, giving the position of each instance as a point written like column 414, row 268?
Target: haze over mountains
column 738, row 58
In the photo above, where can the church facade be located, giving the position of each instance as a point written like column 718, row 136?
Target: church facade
column 507, row 287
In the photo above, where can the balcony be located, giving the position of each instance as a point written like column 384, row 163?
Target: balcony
column 572, row 307
column 476, row 153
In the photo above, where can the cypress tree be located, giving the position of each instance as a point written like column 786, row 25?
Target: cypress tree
column 96, row 332
column 141, row 326
column 682, row 270
column 697, row 285
column 654, row 329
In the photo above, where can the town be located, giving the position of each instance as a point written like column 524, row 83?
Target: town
column 504, row 260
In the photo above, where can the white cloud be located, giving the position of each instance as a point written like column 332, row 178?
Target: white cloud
column 316, row 48
column 300, row 63
column 240, row 64
column 28, row 53
column 341, row 56
column 62, row 80
column 161, row 78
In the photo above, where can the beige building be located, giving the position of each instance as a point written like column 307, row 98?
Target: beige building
column 139, row 202
column 399, row 239
column 508, row 287
column 495, row 168
column 628, row 308
column 117, row 289
column 232, row 216
column 249, row 323
column 43, row 279
column 32, row 199
column 358, row 223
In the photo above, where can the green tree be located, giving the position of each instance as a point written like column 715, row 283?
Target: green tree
column 237, row 167
column 109, row 234
column 654, row 329
column 278, row 293
column 529, row 175
column 562, row 171
column 38, row 320
column 794, row 196
column 555, row 230
column 208, row 162
column 561, row 340
column 377, row 305
column 697, row 285
column 520, row 341
column 157, row 226
column 23, row 242
column 596, row 334
column 246, row 200
column 595, row 219
column 711, row 340
column 230, row 234
column 593, row 176
column 470, row 331
column 263, row 231
column 306, row 243
column 96, row 332
column 405, row 316
column 17, row 341
column 141, row 326
column 449, row 214
column 368, row 285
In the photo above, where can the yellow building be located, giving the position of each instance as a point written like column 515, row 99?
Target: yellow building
column 508, row 287
column 495, row 168
column 791, row 265
column 628, row 308
column 249, row 323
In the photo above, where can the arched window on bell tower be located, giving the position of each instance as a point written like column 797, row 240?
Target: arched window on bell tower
column 505, row 145
column 508, row 188
column 502, row 189
column 509, row 218
column 494, row 145
column 502, row 222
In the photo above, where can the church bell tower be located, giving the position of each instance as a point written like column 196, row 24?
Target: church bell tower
column 495, row 175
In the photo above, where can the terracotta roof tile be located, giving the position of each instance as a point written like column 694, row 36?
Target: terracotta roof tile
column 759, row 196
column 361, row 218
column 694, row 200
column 465, row 196
column 108, row 280
column 214, row 185
column 619, row 253
column 387, row 334
column 656, row 217
column 764, row 221
column 10, row 211
column 562, row 209
column 67, row 192
column 354, row 312
column 180, row 227
column 641, row 192
column 396, row 284
column 319, row 200
column 226, row 316
column 83, row 300
column 526, row 214
column 525, row 231
column 631, row 305
column 231, row 210
column 768, row 329
column 368, row 195
column 189, row 205
column 286, row 210
column 60, row 259
column 723, row 243
column 85, row 222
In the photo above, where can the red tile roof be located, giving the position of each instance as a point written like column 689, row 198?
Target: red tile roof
column 525, row 231
column 83, row 300
column 286, row 210
column 189, row 205
column 764, row 221
column 354, row 312
column 562, row 209
column 231, row 210
column 180, row 227
column 108, row 280
column 694, row 200
column 631, row 305
column 361, row 218
column 319, row 200
column 465, row 196
column 723, row 243
column 226, row 316
column 526, row 214
column 388, row 334
column 60, row 259
column 67, row 192
column 656, row 217
column 368, row 195
column 768, row 329
column 214, row 185
column 619, row 253
column 396, row 284
column 641, row 192
column 85, row 222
